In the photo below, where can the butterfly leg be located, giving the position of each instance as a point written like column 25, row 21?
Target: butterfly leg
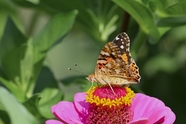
column 91, row 85
column 127, row 85
column 111, row 88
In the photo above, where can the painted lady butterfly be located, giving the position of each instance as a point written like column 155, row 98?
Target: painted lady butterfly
column 115, row 66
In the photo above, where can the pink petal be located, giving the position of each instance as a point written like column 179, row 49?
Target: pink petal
column 139, row 97
column 81, row 105
column 53, row 122
column 157, row 114
column 140, row 121
column 66, row 111
column 170, row 118
column 53, row 108
column 161, row 115
column 142, row 104
column 151, row 108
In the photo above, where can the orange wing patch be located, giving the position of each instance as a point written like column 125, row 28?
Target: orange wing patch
column 109, row 59
column 102, row 63
column 125, row 58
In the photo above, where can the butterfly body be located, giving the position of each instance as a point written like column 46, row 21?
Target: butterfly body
column 115, row 66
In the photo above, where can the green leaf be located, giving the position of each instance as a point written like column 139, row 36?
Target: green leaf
column 158, row 6
column 172, row 21
column 52, row 33
column 32, row 103
column 176, row 8
column 13, row 88
column 142, row 15
column 17, row 112
column 17, row 65
column 50, row 94
column 11, row 38
column 49, row 97
column 168, row 8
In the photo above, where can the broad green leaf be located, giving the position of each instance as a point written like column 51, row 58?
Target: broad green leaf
column 168, row 8
column 49, row 97
column 17, row 112
column 177, row 8
column 101, row 14
column 32, row 103
column 50, row 94
column 52, row 33
column 158, row 6
column 163, row 30
column 142, row 15
column 17, row 65
column 172, row 21
column 13, row 88
column 11, row 38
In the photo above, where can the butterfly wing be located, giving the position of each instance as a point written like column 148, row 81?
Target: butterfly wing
column 115, row 64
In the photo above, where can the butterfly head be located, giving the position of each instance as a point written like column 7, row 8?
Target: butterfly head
column 91, row 78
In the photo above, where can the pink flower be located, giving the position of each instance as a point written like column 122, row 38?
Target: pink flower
column 146, row 110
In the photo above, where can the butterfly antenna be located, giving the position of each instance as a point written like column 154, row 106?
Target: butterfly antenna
column 75, row 64
column 77, row 70
column 70, row 69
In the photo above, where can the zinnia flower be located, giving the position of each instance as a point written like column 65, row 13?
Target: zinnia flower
column 100, row 105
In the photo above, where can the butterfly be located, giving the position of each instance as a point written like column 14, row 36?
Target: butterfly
column 115, row 66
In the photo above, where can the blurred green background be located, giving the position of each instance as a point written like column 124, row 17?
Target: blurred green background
column 158, row 44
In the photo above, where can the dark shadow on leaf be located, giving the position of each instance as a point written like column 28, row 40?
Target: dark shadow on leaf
column 4, row 116
column 45, row 79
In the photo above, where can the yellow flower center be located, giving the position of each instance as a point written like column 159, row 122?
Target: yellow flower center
column 104, row 96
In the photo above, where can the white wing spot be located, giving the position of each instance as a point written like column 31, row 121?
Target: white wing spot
column 117, row 38
column 122, row 42
column 125, row 38
column 122, row 47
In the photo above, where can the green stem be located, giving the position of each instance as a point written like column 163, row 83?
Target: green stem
column 140, row 39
